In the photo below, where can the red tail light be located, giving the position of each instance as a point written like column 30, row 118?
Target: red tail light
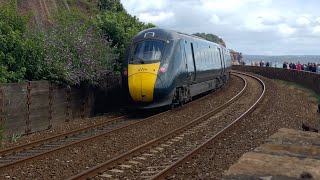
column 163, row 68
column 125, row 72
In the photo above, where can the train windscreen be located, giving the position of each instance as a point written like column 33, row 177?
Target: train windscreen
column 148, row 51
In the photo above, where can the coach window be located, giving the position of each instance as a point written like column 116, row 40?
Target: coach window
column 209, row 59
column 211, row 56
column 203, row 57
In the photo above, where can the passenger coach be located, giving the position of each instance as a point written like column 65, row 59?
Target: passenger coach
column 164, row 67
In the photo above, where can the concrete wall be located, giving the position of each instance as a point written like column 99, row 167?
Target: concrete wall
column 288, row 154
column 33, row 106
column 307, row 79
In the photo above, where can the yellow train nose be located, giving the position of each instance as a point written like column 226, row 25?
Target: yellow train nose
column 141, row 81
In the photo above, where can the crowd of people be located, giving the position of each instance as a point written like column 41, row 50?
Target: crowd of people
column 265, row 64
column 237, row 59
column 311, row 67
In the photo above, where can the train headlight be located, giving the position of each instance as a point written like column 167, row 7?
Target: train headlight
column 163, row 68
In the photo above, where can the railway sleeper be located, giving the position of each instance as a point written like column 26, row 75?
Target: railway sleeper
column 5, row 161
column 24, row 154
column 51, row 145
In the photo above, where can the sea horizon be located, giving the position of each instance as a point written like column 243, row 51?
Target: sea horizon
column 280, row 59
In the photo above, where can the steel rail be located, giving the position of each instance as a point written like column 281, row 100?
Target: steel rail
column 53, row 150
column 116, row 160
column 53, row 138
column 180, row 162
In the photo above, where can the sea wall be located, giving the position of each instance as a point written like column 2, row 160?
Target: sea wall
column 304, row 78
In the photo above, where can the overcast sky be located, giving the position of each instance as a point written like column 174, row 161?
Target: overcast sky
column 258, row 27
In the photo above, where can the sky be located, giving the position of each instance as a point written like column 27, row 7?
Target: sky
column 255, row 27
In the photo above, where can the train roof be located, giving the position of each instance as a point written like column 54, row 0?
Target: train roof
column 165, row 35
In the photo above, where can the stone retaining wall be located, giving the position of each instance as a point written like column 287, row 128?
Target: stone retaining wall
column 307, row 79
column 33, row 106
column 288, row 154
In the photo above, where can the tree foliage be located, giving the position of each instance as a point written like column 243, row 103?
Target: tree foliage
column 211, row 37
column 119, row 27
column 110, row 5
column 71, row 51
column 14, row 48
column 74, row 48
column 75, row 51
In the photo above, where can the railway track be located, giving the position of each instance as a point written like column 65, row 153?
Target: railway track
column 19, row 154
column 158, row 157
column 13, row 156
column 223, row 132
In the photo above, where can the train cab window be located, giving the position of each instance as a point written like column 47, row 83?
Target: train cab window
column 150, row 50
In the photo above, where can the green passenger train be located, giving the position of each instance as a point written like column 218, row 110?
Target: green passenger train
column 163, row 67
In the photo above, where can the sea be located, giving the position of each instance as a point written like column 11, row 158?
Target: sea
column 279, row 60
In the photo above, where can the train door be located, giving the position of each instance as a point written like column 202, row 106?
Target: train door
column 190, row 63
column 221, row 61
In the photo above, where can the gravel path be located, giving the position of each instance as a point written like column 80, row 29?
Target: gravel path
column 73, row 160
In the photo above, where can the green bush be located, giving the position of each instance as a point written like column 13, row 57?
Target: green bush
column 110, row 5
column 119, row 27
column 13, row 48
column 75, row 51
column 72, row 51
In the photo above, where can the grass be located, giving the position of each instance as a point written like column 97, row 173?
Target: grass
column 14, row 138
column 308, row 92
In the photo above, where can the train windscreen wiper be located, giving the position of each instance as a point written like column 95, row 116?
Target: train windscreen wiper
column 140, row 60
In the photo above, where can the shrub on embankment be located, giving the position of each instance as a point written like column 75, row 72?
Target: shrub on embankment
column 72, row 48
column 15, row 50
column 71, row 51
column 119, row 27
column 75, row 51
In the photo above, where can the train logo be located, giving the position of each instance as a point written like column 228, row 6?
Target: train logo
column 142, row 69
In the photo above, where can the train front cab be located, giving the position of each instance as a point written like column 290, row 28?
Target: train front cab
column 146, row 74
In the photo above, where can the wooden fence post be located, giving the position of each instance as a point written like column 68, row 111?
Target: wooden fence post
column 28, row 128
column 50, row 105
column 68, row 107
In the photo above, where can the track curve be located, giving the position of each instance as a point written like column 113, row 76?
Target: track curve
column 126, row 161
